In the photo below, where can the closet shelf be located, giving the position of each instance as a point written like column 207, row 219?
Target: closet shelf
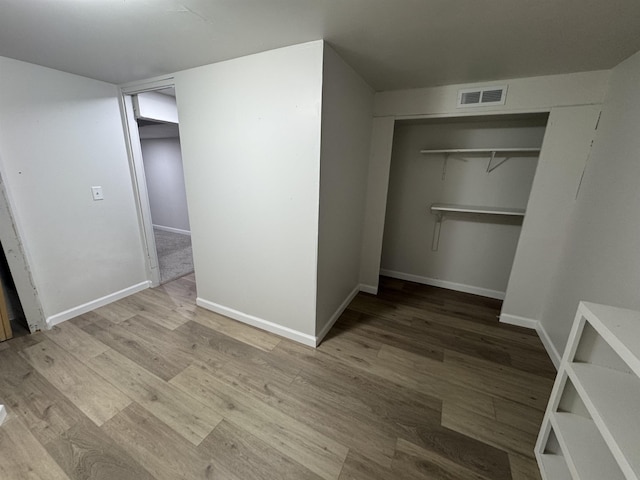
column 483, row 150
column 441, row 209
column 504, row 152
column 446, row 207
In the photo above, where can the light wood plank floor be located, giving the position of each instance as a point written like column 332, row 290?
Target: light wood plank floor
column 416, row 383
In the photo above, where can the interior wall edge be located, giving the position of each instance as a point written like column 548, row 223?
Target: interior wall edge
column 371, row 289
column 332, row 320
column 533, row 324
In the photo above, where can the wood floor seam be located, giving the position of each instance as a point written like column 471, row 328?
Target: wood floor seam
column 417, row 382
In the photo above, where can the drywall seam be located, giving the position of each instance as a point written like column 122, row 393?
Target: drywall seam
column 260, row 323
column 97, row 303
column 434, row 282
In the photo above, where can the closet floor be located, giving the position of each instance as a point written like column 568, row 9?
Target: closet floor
column 416, row 383
column 175, row 255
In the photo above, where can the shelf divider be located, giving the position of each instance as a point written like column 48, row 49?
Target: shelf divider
column 610, row 396
column 588, row 456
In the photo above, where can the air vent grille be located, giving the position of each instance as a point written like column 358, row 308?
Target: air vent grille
column 482, row 96
column 470, row 98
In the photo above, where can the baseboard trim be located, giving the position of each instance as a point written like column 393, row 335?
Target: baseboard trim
column 519, row 321
column 97, row 303
column 343, row 306
column 368, row 289
column 261, row 323
column 548, row 345
column 171, row 229
column 542, row 334
column 434, row 282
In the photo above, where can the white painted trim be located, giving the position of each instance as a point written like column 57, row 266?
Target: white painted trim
column 519, row 321
column 542, row 333
column 460, row 287
column 343, row 306
column 171, row 229
column 548, row 345
column 139, row 183
column 97, row 303
column 3, row 414
column 147, row 85
column 368, row 289
column 260, row 323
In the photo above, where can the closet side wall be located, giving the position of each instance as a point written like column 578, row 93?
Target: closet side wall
column 475, row 252
column 165, row 183
column 347, row 103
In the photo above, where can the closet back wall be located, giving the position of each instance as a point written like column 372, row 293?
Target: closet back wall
column 475, row 253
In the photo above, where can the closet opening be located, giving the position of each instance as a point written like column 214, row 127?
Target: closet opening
column 160, row 182
column 458, row 193
column 13, row 322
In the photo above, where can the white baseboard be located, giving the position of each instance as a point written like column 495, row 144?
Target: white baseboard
column 97, row 303
column 542, row 333
column 3, row 414
column 368, row 289
column 519, row 321
column 549, row 346
column 261, row 323
column 434, row 282
column 171, row 229
column 343, row 306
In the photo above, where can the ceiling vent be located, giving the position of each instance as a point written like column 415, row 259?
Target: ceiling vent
column 482, row 97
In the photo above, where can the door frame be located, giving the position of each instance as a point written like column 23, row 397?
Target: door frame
column 18, row 259
column 136, row 165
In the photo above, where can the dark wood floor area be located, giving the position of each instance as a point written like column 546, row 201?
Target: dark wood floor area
column 416, row 383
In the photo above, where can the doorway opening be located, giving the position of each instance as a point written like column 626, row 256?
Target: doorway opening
column 159, row 174
column 13, row 322
column 458, row 193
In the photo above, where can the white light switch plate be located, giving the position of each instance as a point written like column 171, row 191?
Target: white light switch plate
column 96, row 192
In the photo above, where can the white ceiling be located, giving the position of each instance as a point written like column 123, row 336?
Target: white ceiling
column 392, row 43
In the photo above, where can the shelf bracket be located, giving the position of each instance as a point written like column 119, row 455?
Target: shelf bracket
column 436, row 232
column 444, row 166
column 492, row 168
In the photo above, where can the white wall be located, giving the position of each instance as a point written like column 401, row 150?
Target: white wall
column 165, row 182
column 537, row 94
column 601, row 256
column 347, row 103
column 475, row 253
column 250, row 133
column 60, row 134
column 523, row 95
column 567, row 144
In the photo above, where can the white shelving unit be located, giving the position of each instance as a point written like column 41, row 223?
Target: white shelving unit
column 441, row 209
column 594, row 410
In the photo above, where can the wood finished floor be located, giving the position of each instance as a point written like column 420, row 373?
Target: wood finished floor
column 416, row 383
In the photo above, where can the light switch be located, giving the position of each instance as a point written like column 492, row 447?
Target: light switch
column 97, row 193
